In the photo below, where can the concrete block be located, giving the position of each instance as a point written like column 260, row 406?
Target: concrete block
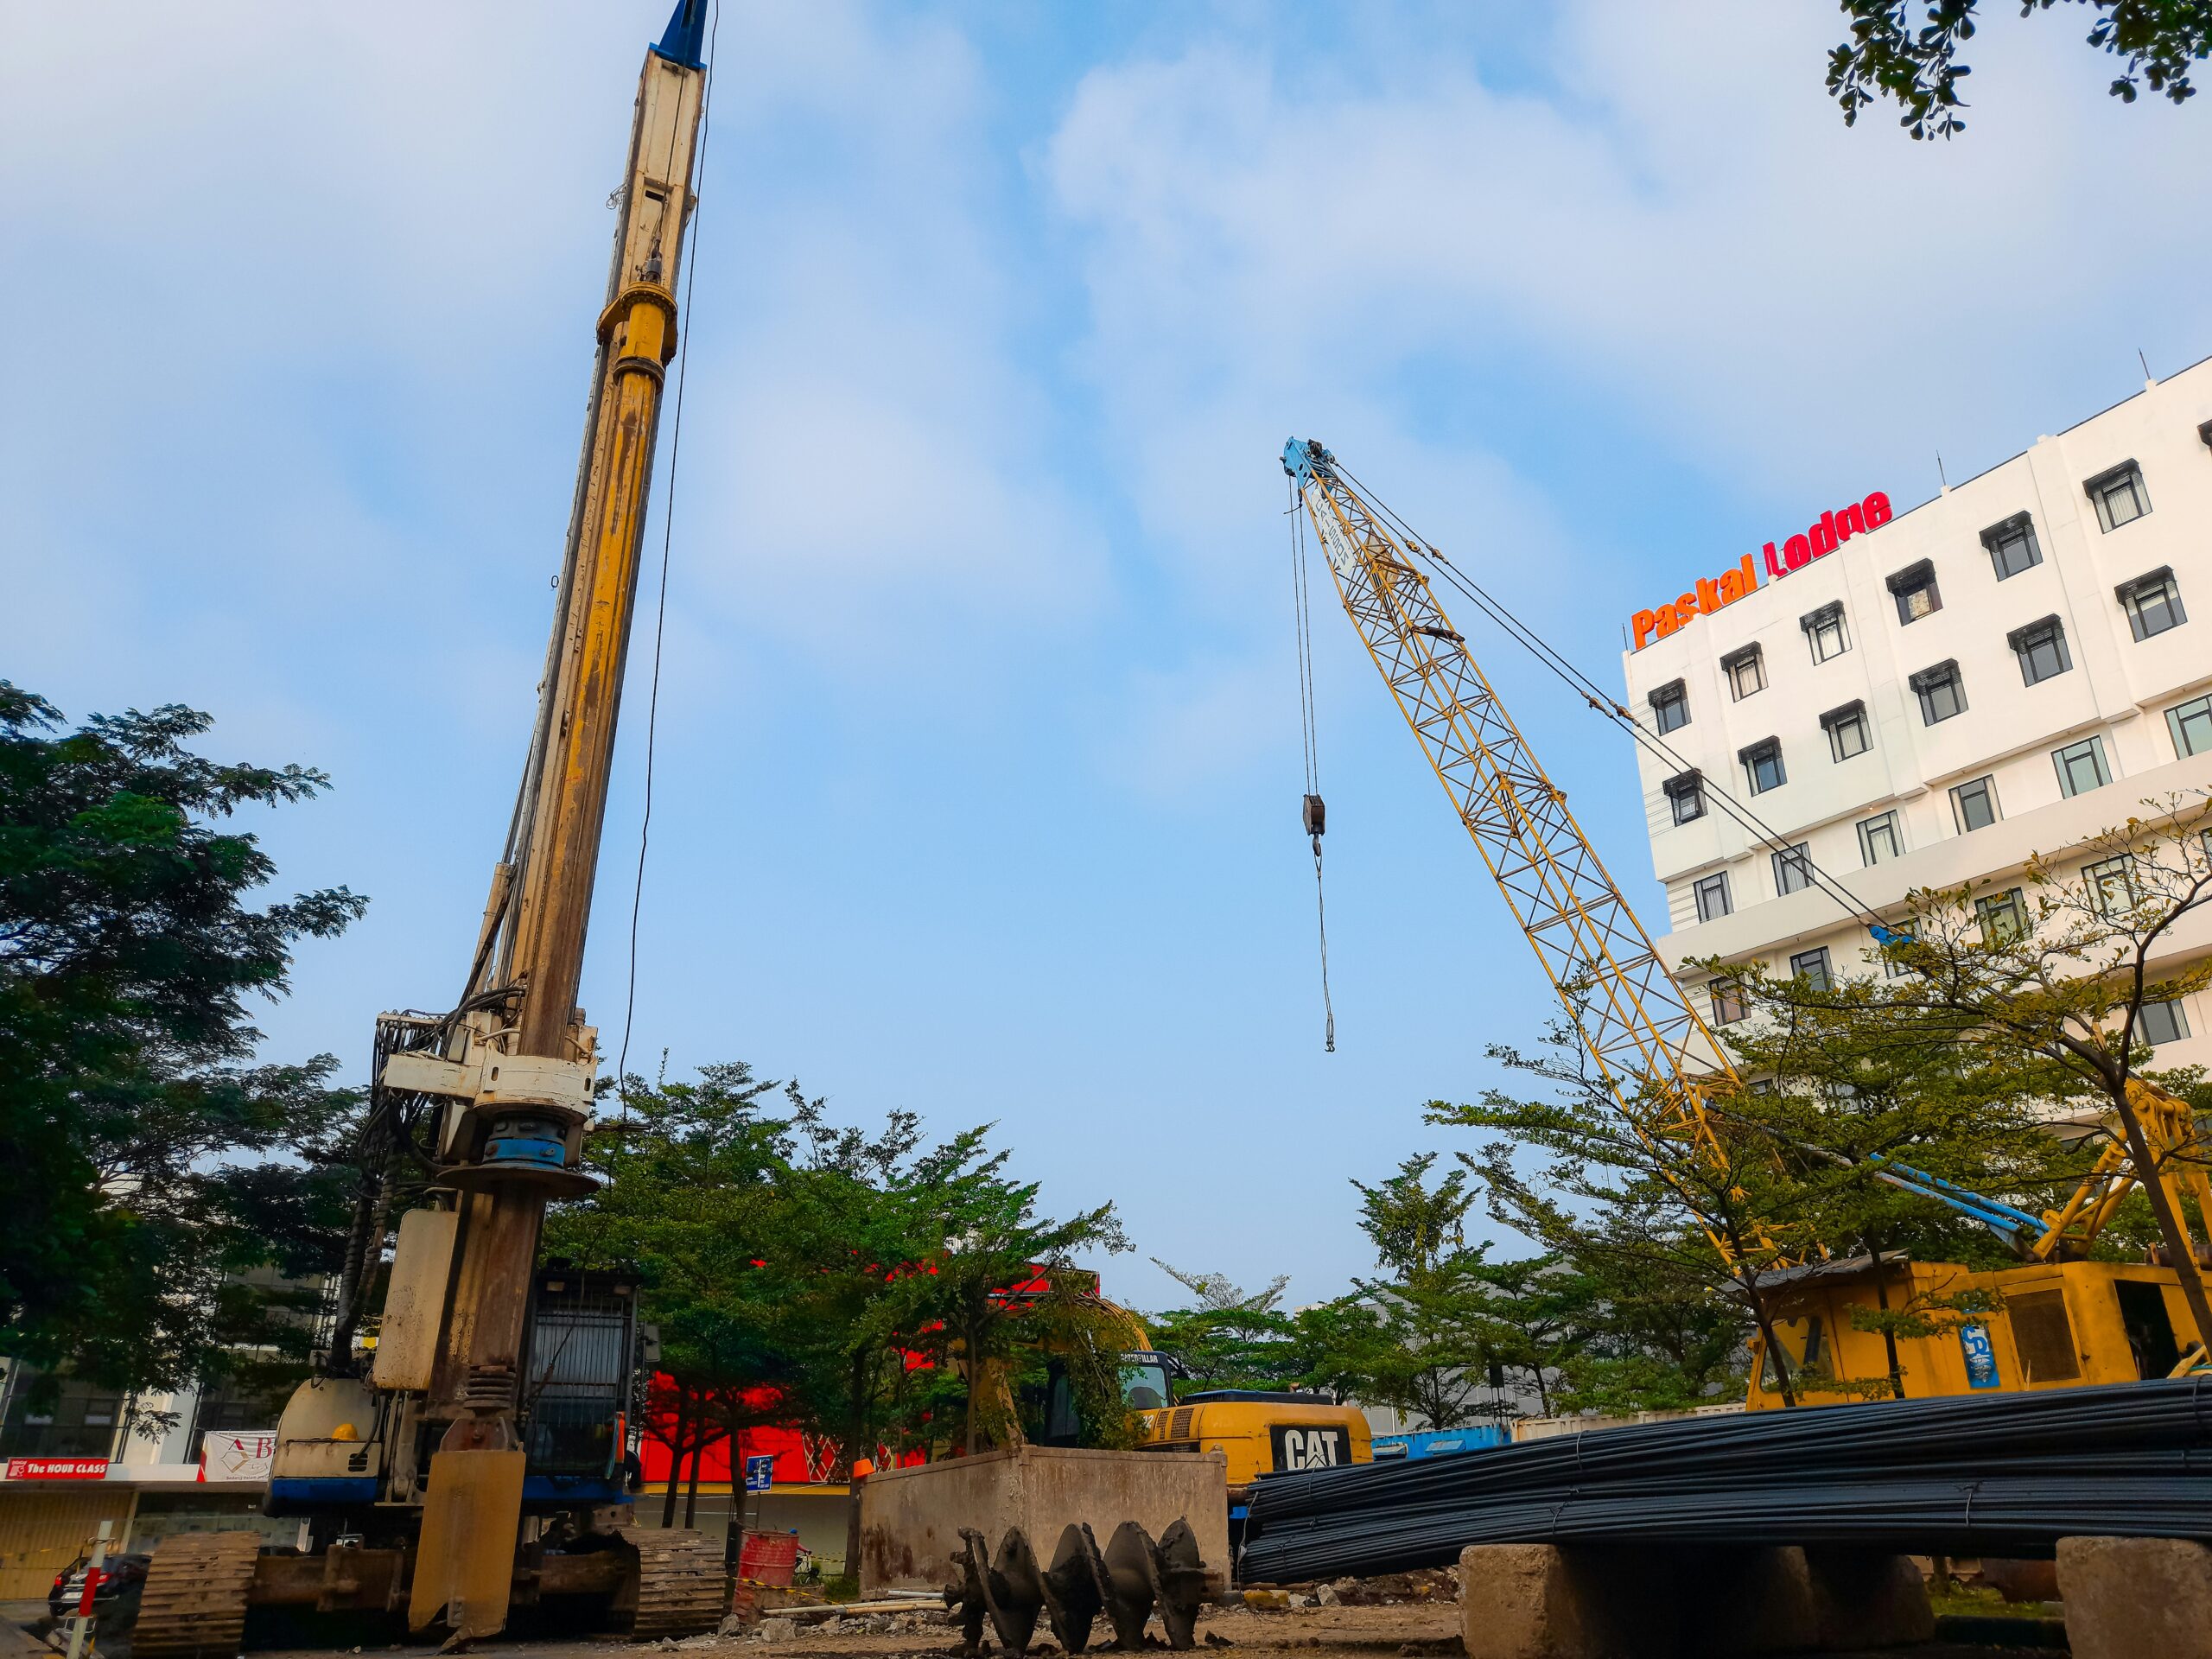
column 1540, row 1601
column 2131, row 1597
column 1537, row 1601
column 1868, row 1599
column 911, row 1518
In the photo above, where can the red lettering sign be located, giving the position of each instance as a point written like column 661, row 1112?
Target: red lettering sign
column 1817, row 541
column 57, row 1469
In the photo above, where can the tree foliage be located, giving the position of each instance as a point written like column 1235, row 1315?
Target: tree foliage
column 1906, row 52
column 2035, row 995
column 156, row 1173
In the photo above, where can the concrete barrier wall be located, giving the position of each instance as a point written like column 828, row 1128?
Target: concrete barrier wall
column 911, row 1518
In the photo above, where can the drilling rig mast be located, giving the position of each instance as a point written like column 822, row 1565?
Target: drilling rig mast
column 475, row 1459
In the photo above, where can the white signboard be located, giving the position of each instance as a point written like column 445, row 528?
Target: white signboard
column 237, row 1456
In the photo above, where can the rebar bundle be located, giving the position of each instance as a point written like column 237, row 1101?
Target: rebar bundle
column 2008, row 1474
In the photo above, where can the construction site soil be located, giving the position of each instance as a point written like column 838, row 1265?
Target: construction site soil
column 1429, row 1628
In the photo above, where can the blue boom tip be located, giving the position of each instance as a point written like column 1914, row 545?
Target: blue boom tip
column 686, row 39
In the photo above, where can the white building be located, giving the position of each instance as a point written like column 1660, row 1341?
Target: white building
column 2003, row 671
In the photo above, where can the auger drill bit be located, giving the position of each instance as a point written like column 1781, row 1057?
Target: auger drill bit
column 1076, row 1587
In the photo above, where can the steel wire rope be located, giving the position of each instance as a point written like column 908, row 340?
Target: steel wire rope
column 1300, row 589
column 1602, row 700
column 667, row 533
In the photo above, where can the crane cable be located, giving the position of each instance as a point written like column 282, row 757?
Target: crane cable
column 1313, row 814
column 667, row 532
column 1598, row 698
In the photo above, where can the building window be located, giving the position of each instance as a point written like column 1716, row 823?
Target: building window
column 2040, row 647
column 1793, row 869
column 1763, row 765
column 1727, row 1002
column 2191, row 726
column 2003, row 916
column 1914, row 588
column 1812, row 966
column 1847, row 730
column 1686, row 794
column 2160, row 1023
column 1879, row 839
column 1670, row 708
column 2081, row 767
column 2153, row 602
column 2012, row 546
column 1940, row 691
column 1712, row 897
column 1973, row 806
column 1824, row 629
column 1746, row 672
column 2111, row 883
column 2119, row 495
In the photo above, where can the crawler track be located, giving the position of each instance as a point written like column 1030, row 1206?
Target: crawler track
column 681, row 1587
column 193, row 1605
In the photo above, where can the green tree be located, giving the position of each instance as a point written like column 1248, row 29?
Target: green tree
column 1002, row 1285
column 1430, row 1349
column 1906, row 52
column 152, row 1166
column 1230, row 1337
column 690, row 1201
column 2042, row 990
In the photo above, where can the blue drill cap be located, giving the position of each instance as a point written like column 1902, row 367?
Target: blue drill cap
column 685, row 41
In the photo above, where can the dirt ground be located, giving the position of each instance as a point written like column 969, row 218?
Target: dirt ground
column 1423, row 1631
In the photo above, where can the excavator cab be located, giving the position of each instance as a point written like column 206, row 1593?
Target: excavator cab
column 1148, row 1380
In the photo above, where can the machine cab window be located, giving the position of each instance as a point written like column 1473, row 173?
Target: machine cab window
column 1145, row 1384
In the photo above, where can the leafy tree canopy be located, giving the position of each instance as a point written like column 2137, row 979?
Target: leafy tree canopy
column 147, row 1172
column 1906, row 52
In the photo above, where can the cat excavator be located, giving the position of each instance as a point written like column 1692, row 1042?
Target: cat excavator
column 466, row 1463
column 2060, row 1319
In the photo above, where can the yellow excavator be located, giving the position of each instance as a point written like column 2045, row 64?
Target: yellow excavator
column 471, row 1464
column 2063, row 1320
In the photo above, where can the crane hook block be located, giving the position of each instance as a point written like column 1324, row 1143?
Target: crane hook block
column 1316, row 817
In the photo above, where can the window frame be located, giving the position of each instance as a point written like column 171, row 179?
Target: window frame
column 1819, row 620
column 1673, row 695
column 2131, row 593
column 1750, row 656
column 2013, row 901
column 2029, row 637
column 1939, row 677
column 1903, row 584
column 1686, row 786
column 1822, row 975
column 1866, row 826
column 2097, row 879
column 2177, row 721
column 2176, row 1017
column 2063, row 761
column 2102, row 488
column 1851, row 716
column 1718, row 883
column 1728, row 1006
column 1999, row 535
column 1749, row 756
column 1988, row 785
column 1798, row 858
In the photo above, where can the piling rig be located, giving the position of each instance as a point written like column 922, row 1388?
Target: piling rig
column 471, row 1462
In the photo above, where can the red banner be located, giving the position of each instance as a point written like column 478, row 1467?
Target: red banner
column 57, row 1469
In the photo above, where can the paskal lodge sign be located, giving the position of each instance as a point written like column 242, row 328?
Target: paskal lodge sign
column 1815, row 542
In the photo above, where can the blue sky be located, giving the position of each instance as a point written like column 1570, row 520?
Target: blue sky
column 977, row 774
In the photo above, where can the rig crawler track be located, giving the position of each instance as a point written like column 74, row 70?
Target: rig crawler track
column 194, row 1602
column 681, row 1589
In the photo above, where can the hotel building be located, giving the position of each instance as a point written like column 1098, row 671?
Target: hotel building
column 1933, row 698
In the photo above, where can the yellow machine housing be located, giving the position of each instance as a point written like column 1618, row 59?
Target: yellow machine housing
column 1259, row 1433
column 2062, row 1324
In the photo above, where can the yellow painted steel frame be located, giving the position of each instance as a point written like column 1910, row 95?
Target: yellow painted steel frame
column 1632, row 1017
column 2171, row 1128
